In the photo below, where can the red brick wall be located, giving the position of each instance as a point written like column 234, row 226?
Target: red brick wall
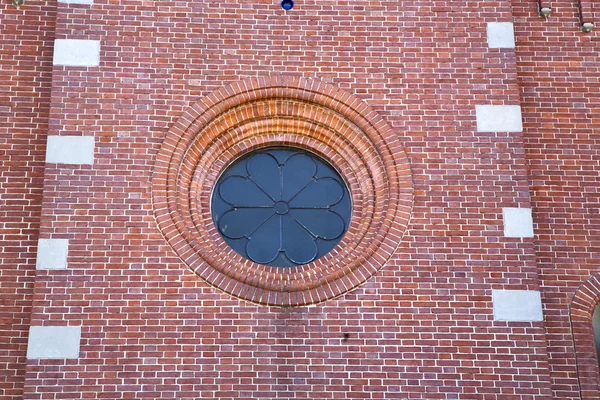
column 26, row 38
column 422, row 327
column 558, row 71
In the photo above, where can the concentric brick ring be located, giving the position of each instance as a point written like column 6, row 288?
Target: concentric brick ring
column 295, row 112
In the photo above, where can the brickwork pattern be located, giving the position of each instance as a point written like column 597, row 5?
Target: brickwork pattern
column 422, row 327
column 26, row 39
column 561, row 98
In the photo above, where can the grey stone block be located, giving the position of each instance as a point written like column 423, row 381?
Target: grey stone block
column 76, row 52
column 498, row 118
column 518, row 222
column 52, row 254
column 70, row 150
column 500, row 35
column 53, row 342
column 517, row 305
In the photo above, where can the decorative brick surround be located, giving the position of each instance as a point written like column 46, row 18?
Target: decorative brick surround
column 582, row 307
column 307, row 114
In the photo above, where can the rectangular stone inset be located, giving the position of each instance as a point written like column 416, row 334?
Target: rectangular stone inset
column 53, row 342
column 76, row 52
column 500, row 35
column 518, row 222
column 500, row 118
column 517, row 305
column 52, row 254
column 70, row 150
column 76, row 1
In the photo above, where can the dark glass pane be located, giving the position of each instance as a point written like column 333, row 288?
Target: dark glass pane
column 238, row 168
column 299, row 246
column 298, row 172
column 264, row 244
column 241, row 191
column 265, row 172
column 281, row 207
column 282, row 261
column 322, row 193
column 281, row 154
column 243, row 222
column 320, row 223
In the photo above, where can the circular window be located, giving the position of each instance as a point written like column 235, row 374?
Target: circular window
column 281, row 207
column 227, row 172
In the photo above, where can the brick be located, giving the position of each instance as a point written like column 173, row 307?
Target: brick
column 77, row 1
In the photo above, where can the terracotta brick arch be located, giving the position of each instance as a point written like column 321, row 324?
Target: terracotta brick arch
column 307, row 114
column 582, row 307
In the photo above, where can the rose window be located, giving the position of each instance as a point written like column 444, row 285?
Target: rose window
column 246, row 190
column 281, row 207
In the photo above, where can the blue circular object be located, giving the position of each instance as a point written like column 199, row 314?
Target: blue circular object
column 281, row 206
column 287, row 4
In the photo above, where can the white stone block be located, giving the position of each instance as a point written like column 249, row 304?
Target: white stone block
column 52, row 254
column 500, row 35
column 76, row 1
column 518, row 222
column 76, row 52
column 517, row 305
column 70, row 150
column 498, row 118
column 57, row 342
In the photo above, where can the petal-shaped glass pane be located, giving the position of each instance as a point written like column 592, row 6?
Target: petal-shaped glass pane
column 320, row 193
column 239, row 191
column 242, row 222
column 298, row 171
column 298, row 244
column 265, row 243
column 265, row 172
column 321, row 223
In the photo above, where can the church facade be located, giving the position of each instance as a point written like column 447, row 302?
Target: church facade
column 299, row 200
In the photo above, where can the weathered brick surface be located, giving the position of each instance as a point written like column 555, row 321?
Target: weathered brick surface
column 422, row 327
column 25, row 73
column 558, row 71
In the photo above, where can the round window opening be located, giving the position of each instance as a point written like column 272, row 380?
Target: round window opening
column 281, row 206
